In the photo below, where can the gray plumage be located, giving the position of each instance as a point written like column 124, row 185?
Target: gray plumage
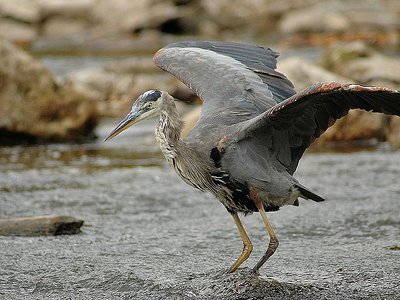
column 253, row 128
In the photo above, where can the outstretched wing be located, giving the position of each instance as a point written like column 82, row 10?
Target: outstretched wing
column 288, row 128
column 235, row 81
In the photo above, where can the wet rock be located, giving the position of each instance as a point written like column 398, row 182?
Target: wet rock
column 35, row 107
column 245, row 284
column 41, row 225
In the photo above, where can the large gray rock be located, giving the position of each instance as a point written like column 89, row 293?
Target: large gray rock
column 34, row 106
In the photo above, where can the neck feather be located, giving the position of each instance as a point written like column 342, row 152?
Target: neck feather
column 169, row 129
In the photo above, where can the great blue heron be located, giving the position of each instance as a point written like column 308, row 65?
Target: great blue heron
column 253, row 128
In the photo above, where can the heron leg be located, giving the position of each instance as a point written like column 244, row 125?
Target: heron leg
column 273, row 241
column 247, row 245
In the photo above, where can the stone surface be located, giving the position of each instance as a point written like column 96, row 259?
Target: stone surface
column 393, row 132
column 35, row 107
column 356, row 128
column 303, row 73
column 252, row 20
column 16, row 32
column 377, row 68
column 40, row 225
column 129, row 16
column 67, row 8
column 333, row 16
column 362, row 64
column 63, row 26
column 117, row 85
column 27, row 11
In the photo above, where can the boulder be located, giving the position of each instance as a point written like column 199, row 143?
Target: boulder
column 340, row 17
column 393, row 132
column 355, row 129
column 66, row 8
column 126, row 16
column 17, row 32
column 62, row 26
column 362, row 64
column 26, row 11
column 35, row 107
column 374, row 69
column 303, row 73
column 118, row 83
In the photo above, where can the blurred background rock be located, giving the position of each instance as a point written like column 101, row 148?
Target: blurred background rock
column 99, row 54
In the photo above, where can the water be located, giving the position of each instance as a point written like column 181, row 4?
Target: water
column 147, row 235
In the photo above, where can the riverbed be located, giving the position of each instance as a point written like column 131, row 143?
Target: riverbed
column 148, row 235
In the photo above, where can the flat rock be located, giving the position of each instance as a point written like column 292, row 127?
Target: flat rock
column 36, row 107
column 40, row 226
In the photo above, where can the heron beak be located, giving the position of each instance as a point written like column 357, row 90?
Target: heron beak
column 131, row 118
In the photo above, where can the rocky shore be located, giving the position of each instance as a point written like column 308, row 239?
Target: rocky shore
column 358, row 43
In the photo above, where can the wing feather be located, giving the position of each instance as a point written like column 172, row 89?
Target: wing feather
column 306, row 115
column 236, row 82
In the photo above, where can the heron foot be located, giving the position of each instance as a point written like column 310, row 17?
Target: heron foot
column 273, row 241
column 247, row 248
column 272, row 246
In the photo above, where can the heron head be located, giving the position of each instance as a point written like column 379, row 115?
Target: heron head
column 146, row 105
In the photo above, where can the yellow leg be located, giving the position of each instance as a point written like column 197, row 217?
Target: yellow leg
column 247, row 246
column 273, row 242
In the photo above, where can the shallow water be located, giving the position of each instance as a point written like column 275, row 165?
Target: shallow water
column 147, row 235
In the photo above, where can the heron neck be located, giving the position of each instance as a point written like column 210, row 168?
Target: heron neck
column 169, row 129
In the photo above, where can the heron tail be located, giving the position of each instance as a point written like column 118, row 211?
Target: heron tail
column 307, row 194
